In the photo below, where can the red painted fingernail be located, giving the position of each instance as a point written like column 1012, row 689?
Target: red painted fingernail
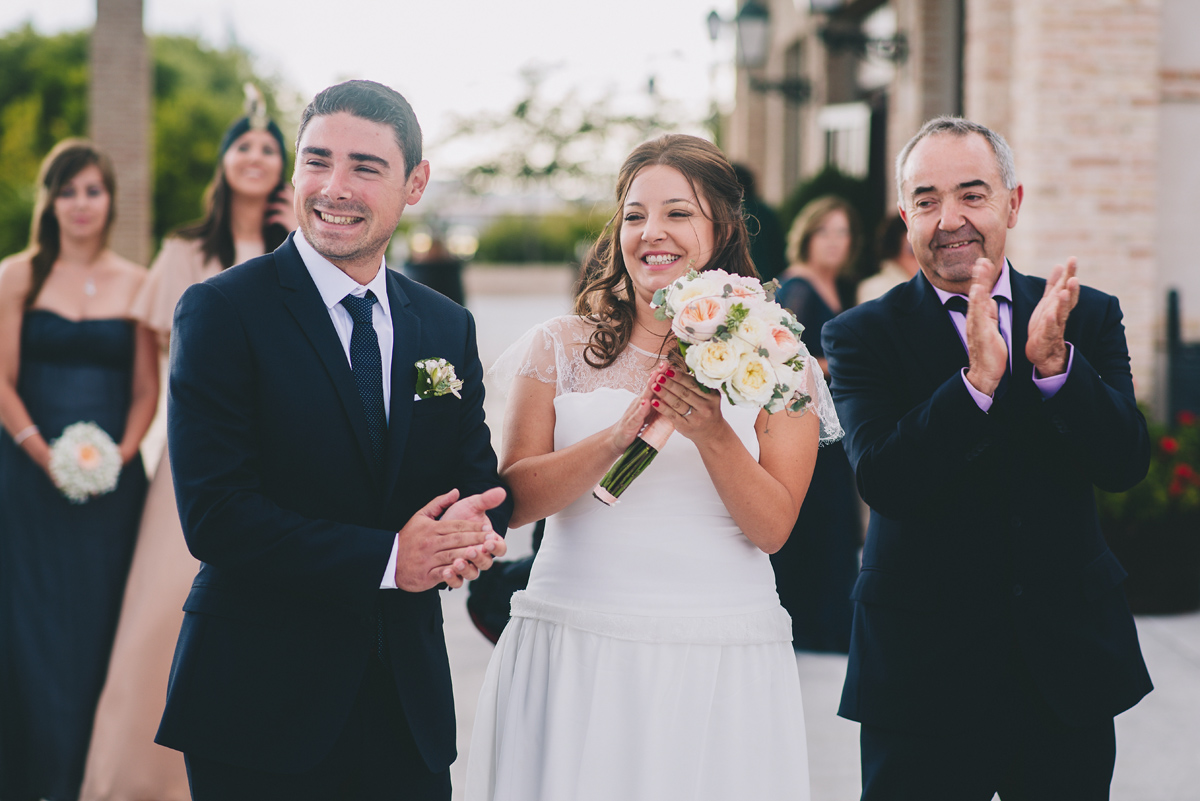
column 657, row 387
column 654, row 404
column 670, row 373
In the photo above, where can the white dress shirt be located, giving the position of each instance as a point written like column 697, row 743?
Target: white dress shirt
column 333, row 285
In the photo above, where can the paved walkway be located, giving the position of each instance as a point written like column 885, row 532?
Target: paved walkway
column 1158, row 741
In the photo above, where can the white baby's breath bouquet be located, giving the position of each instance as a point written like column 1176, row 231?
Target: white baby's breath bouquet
column 735, row 339
column 84, row 462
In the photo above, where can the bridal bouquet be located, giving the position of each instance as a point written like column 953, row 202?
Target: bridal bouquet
column 84, row 462
column 735, row 339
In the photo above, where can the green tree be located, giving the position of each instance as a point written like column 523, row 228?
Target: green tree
column 198, row 91
column 44, row 98
column 567, row 144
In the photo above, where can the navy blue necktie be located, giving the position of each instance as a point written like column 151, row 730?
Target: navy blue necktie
column 367, row 367
column 960, row 304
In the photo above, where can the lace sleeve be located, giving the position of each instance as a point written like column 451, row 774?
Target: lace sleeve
column 538, row 354
column 821, row 402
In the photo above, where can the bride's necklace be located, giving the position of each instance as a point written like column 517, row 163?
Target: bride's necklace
column 89, row 286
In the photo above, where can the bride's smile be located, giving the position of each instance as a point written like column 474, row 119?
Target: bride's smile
column 666, row 229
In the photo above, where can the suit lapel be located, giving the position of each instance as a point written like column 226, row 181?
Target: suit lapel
column 304, row 303
column 406, row 338
column 930, row 334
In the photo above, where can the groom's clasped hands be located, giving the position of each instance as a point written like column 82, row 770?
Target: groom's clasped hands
column 449, row 540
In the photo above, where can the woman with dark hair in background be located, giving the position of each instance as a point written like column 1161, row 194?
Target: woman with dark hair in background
column 897, row 262
column 649, row 656
column 248, row 213
column 816, row 568
column 68, row 354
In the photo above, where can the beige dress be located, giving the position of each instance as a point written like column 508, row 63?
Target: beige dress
column 124, row 763
column 890, row 274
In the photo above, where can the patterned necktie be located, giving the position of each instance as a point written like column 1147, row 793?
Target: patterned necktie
column 960, row 304
column 367, row 367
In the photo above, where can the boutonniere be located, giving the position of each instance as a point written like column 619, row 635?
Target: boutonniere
column 435, row 377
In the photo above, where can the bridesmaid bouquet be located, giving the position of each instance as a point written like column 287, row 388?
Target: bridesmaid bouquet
column 735, row 339
column 84, row 462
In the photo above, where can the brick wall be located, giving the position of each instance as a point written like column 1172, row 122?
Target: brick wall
column 1084, row 109
column 120, row 121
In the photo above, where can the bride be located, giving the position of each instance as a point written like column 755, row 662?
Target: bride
column 650, row 657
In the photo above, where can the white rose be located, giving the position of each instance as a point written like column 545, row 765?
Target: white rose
column 753, row 331
column 753, row 382
column 794, row 386
column 713, row 362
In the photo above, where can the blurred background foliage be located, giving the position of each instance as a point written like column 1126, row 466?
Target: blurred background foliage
column 44, row 98
column 557, row 237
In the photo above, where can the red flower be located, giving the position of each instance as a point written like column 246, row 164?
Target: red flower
column 1169, row 445
column 1186, row 418
column 1176, row 488
column 1186, row 473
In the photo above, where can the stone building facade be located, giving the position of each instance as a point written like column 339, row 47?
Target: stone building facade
column 1100, row 100
column 119, row 112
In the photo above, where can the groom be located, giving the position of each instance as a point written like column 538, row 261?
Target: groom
column 991, row 644
column 326, row 493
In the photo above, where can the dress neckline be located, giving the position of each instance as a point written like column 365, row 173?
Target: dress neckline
column 80, row 320
column 644, row 352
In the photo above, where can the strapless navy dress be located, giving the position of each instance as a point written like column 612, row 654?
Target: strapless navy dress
column 62, row 565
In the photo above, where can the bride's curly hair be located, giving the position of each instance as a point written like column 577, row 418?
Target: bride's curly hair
column 607, row 297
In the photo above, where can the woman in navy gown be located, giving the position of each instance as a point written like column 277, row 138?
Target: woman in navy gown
column 816, row 568
column 68, row 353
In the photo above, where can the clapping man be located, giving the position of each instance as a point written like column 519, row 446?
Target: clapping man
column 992, row 645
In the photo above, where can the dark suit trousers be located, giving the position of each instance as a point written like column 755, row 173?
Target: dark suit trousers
column 373, row 758
column 1024, row 754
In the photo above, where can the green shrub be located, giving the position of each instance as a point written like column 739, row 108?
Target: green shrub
column 538, row 238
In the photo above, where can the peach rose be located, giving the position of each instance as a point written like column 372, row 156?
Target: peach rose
column 781, row 344
column 699, row 319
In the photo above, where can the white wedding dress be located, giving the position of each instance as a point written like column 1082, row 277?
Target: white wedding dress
column 650, row 657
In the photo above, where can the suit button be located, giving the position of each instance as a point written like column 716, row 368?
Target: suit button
column 1016, row 522
column 1017, row 590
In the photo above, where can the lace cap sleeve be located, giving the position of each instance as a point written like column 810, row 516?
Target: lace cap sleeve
column 538, row 354
column 820, row 400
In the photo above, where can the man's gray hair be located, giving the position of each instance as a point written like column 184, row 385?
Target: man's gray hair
column 957, row 126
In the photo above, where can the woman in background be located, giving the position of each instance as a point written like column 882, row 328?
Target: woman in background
column 897, row 262
column 68, row 353
column 248, row 214
column 816, row 568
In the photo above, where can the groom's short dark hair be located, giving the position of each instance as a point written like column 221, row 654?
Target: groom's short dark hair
column 370, row 101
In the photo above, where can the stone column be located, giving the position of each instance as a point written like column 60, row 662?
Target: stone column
column 120, row 114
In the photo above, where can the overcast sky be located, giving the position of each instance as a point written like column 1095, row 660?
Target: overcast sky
column 450, row 56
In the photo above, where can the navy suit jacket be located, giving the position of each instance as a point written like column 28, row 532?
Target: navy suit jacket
column 279, row 501
column 983, row 546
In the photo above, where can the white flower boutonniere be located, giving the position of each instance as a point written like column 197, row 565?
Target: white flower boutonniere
column 84, row 462
column 435, row 377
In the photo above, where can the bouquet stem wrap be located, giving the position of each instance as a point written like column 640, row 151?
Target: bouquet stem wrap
column 636, row 458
